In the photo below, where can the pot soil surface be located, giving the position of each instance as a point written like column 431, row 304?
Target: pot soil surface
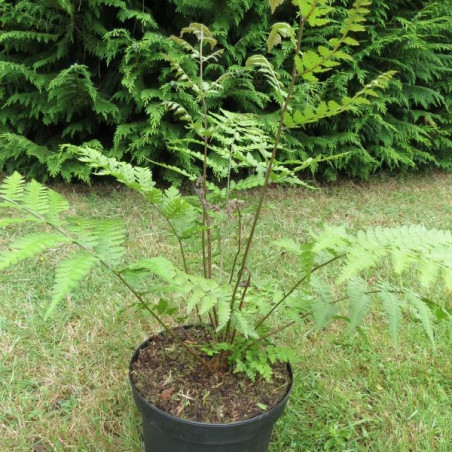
column 170, row 379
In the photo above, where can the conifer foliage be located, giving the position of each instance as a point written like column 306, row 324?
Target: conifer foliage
column 98, row 72
column 409, row 125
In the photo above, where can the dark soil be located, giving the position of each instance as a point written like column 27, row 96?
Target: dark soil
column 172, row 380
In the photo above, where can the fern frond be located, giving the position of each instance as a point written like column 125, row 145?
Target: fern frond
column 242, row 325
column 36, row 197
column 424, row 314
column 158, row 266
column 359, row 303
column 322, row 309
column 68, row 274
column 392, row 306
column 134, row 177
column 268, row 71
column 274, row 4
column 223, row 312
column 406, row 246
column 13, row 187
column 109, row 240
column 29, row 246
column 56, row 204
column 8, row 221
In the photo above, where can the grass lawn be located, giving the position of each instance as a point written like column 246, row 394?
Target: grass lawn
column 64, row 381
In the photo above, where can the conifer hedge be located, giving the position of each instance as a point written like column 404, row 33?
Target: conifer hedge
column 93, row 71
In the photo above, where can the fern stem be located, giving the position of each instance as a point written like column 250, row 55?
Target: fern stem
column 242, row 302
column 307, row 314
column 173, row 230
column 239, row 244
column 294, row 287
column 207, row 234
column 268, row 172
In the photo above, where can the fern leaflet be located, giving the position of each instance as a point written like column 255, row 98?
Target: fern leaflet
column 68, row 274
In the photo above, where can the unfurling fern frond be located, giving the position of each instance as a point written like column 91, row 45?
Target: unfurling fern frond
column 268, row 71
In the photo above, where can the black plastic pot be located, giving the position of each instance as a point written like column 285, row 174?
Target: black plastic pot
column 163, row 432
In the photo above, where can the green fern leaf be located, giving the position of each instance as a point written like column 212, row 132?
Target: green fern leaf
column 241, row 324
column 447, row 277
column 193, row 299
column 68, row 274
column 392, row 307
column 274, row 4
column 224, row 313
column 175, row 208
column 159, row 266
column 8, row 221
column 109, row 240
column 56, row 204
column 322, row 309
column 29, row 246
column 36, row 197
column 425, row 315
column 13, row 187
column 208, row 300
column 136, row 178
column 429, row 271
column 278, row 31
column 359, row 303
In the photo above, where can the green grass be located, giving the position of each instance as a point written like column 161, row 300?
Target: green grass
column 64, row 381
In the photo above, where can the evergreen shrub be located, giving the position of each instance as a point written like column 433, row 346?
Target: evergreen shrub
column 98, row 72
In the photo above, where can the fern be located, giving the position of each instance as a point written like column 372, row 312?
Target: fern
column 242, row 324
column 323, row 311
column 157, row 265
column 68, row 275
column 98, row 241
column 109, row 243
column 359, row 303
column 424, row 314
column 13, row 187
column 144, row 116
column 29, row 246
column 430, row 249
column 406, row 247
column 392, row 306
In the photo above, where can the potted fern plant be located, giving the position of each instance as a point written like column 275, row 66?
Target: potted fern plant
column 220, row 383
